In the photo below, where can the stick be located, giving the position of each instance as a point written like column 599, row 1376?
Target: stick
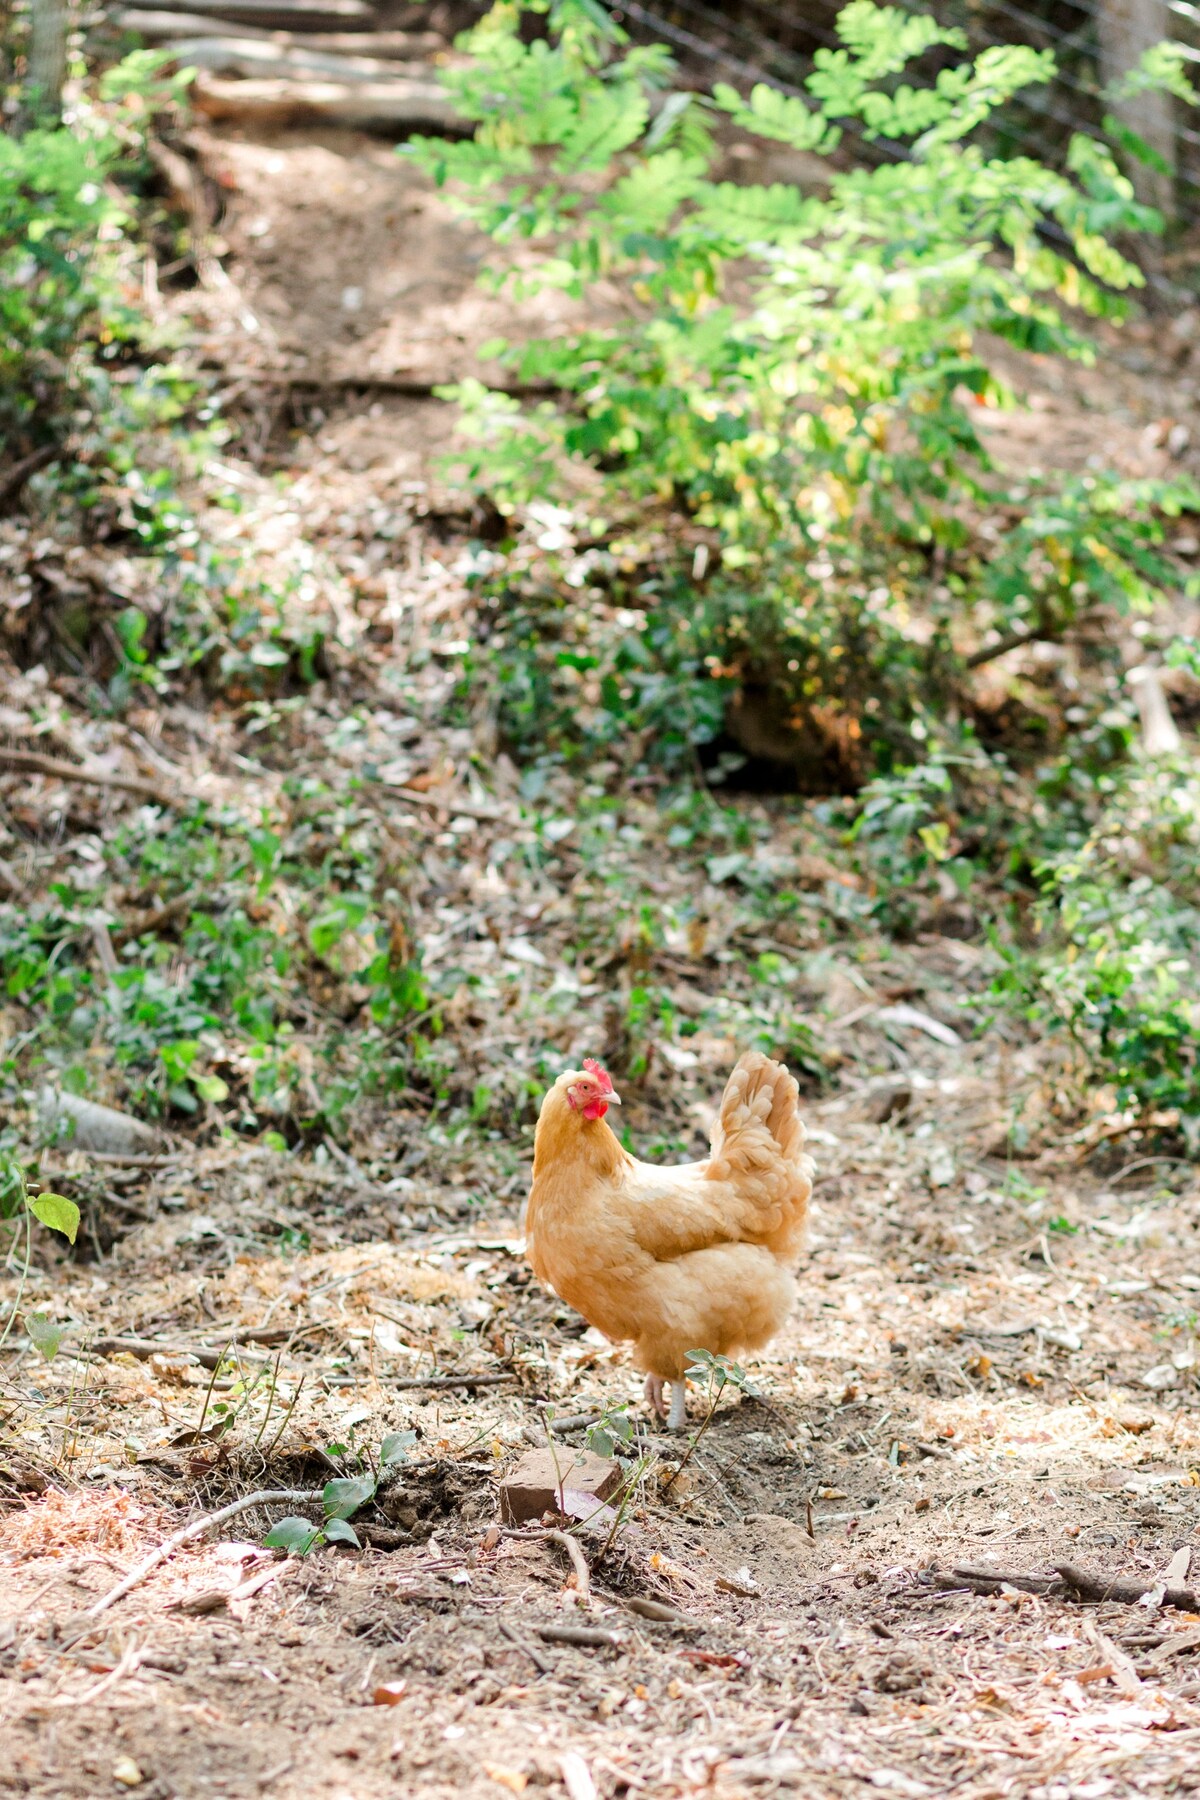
column 1124, row 1590
column 147, row 1347
column 158, row 26
column 127, row 1159
column 451, row 1381
column 14, row 479
column 393, row 107
column 578, row 1563
column 138, row 1574
column 514, row 1637
column 990, row 1581
column 590, row 1636
column 34, row 763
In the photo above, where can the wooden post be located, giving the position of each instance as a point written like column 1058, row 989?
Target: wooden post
column 1127, row 29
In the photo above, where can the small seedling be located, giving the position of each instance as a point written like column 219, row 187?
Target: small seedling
column 341, row 1499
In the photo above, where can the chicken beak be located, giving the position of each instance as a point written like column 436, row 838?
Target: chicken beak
column 613, row 1099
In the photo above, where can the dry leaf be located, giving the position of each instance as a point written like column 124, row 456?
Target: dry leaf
column 389, row 1693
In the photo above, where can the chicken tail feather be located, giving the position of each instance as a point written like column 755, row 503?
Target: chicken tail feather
column 758, row 1143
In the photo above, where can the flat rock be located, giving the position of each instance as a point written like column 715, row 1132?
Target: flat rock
column 536, row 1484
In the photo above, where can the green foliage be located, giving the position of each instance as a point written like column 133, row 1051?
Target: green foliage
column 204, row 1010
column 63, row 221
column 1118, row 943
column 340, row 1500
column 800, row 371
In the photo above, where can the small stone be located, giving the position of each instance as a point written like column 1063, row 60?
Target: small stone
column 126, row 1771
column 539, row 1481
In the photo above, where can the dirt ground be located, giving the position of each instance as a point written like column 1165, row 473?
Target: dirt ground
column 992, row 1364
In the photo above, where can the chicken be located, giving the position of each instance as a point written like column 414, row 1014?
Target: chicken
column 694, row 1257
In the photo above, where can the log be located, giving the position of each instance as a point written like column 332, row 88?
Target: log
column 392, row 108
column 159, row 27
column 1124, row 1590
column 96, row 1127
column 253, row 57
column 283, row 15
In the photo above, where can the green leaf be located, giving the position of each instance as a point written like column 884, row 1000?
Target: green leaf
column 395, row 1448
column 337, row 1531
column 342, row 1499
column 56, row 1211
column 296, row 1536
column 609, row 121
column 43, row 1334
column 210, row 1087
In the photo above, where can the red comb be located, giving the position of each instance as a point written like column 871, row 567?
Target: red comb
column 602, row 1076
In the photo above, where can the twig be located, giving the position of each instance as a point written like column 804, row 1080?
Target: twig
column 283, row 1424
column 34, row 763
column 147, row 1347
column 130, row 1659
column 990, row 1581
column 578, row 1563
column 14, row 479
column 514, row 1637
column 127, row 1159
column 451, row 1381
column 589, row 1636
column 447, row 804
column 263, row 1497
column 1012, row 640
column 691, row 1449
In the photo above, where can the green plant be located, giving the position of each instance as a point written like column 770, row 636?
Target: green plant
column 341, row 1499
column 20, row 1206
column 796, row 376
column 718, row 1372
column 1118, row 943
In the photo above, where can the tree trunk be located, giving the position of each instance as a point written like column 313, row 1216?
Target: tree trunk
column 1127, row 29
column 47, row 60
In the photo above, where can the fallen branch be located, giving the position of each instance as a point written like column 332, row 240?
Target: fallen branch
column 583, row 1580
column 138, row 1574
column 1012, row 640
column 451, row 1381
column 282, row 14
column 514, row 1637
column 990, row 1581
column 1124, row 1590
column 158, row 26
column 34, row 763
column 14, row 479
column 591, row 1637
column 390, row 107
column 148, row 1347
column 252, row 58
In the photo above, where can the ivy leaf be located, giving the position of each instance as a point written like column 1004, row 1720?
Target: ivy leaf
column 342, row 1499
column 43, row 1333
column 296, row 1536
column 56, row 1211
column 395, row 1448
column 337, row 1531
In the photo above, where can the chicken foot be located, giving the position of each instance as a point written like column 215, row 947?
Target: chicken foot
column 655, row 1389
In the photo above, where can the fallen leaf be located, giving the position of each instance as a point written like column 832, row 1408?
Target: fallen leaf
column 509, row 1778
column 389, row 1693
column 577, row 1777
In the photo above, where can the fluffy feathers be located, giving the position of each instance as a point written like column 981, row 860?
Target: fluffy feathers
column 694, row 1257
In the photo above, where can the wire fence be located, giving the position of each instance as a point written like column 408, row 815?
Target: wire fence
column 769, row 40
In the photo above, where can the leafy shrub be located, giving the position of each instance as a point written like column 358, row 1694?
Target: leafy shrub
column 800, row 373
column 1118, row 942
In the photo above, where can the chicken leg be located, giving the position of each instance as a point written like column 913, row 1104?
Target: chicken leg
column 655, row 1389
